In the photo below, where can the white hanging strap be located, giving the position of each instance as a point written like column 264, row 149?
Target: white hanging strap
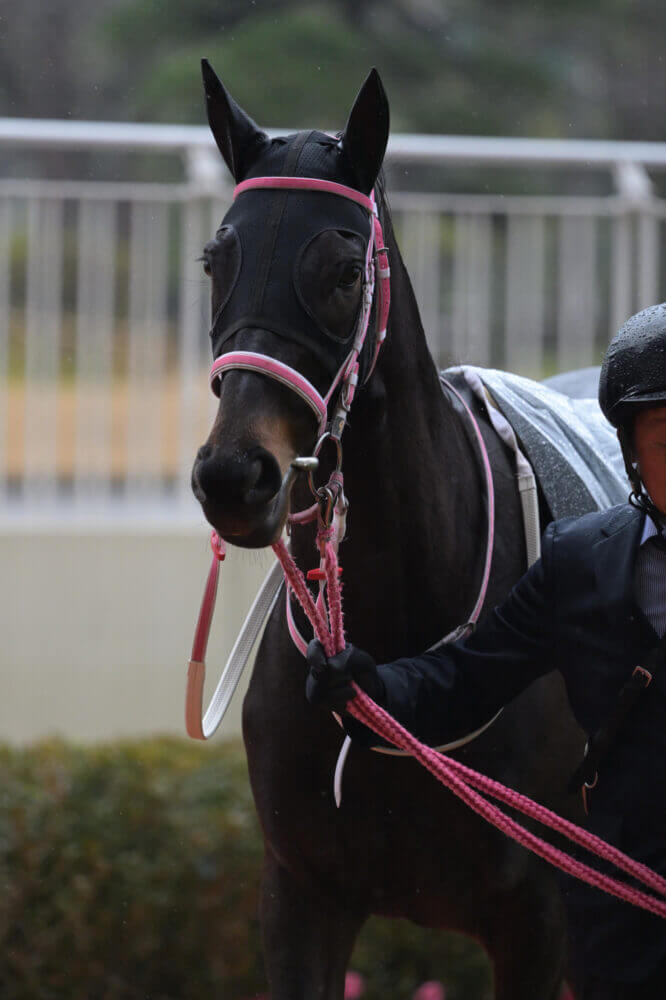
column 203, row 728
column 529, row 501
column 527, row 485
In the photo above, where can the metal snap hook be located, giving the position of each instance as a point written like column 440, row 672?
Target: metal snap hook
column 326, row 498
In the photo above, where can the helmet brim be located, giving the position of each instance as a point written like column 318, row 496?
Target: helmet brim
column 629, row 405
column 658, row 396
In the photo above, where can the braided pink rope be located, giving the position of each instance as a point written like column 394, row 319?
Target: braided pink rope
column 462, row 780
column 548, row 818
column 296, row 581
column 363, row 708
column 334, row 597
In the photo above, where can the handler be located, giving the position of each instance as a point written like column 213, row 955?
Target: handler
column 594, row 608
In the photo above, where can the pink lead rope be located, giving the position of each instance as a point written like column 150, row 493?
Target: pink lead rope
column 462, row 780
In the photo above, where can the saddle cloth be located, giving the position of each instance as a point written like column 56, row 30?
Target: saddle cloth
column 572, row 448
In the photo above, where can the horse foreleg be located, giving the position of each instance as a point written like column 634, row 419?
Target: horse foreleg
column 527, row 941
column 308, row 937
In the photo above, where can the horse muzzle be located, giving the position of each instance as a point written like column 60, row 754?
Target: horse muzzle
column 243, row 495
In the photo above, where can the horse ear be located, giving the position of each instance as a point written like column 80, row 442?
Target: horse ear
column 365, row 137
column 236, row 135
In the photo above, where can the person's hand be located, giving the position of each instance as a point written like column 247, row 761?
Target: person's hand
column 329, row 680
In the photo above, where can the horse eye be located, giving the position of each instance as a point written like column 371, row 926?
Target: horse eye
column 205, row 261
column 349, row 276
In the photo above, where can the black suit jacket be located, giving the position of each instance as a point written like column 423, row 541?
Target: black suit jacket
column 573, row 611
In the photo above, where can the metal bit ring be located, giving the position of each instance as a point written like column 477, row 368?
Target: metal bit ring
column 338, row 466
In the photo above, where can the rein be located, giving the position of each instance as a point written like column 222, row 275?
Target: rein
column 464, row 782
column 325, row 612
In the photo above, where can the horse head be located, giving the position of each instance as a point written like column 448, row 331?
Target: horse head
column 291, row 269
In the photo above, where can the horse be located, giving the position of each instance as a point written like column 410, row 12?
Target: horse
column 287, row 276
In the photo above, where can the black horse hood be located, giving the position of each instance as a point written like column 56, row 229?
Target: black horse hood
column 269, row 230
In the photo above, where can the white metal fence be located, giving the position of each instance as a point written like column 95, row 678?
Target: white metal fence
column 104, row 311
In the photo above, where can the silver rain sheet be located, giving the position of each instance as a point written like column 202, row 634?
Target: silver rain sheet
column 572, row 448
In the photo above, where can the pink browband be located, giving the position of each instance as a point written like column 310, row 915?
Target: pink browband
column 376, row 265
column 308, row 184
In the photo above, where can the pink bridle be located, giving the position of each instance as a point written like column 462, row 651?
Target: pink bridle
column 376, row 266
column 345, row 381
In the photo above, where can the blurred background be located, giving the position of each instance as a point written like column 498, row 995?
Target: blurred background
column 526, row 174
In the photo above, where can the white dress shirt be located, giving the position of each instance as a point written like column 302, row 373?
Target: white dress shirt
column 650, row 579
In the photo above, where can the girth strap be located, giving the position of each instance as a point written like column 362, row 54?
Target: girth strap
column 600, row 743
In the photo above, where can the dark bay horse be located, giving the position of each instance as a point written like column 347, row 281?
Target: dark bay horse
column 399, row 845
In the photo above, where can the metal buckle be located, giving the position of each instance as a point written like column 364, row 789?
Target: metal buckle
column 586, row 751
column 383, row 266
column 587, row 786
column 326, row 497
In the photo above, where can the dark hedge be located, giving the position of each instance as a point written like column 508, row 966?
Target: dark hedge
column 131, row 871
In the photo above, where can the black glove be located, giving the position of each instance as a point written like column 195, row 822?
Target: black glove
column 329, row 679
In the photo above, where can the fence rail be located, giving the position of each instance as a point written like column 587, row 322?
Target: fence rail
column 104, row 311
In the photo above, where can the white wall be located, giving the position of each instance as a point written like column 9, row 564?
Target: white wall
column 96, row 628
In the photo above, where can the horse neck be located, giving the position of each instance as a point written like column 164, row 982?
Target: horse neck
column 411, row 558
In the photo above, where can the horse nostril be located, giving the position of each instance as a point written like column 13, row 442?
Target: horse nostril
column 251, row 479
column 204, row 477
column 264, row 480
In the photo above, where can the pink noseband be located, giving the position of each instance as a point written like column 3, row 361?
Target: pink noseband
column 250, row 361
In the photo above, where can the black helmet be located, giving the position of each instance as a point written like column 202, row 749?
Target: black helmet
column 633, row 377
column 633, row 373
